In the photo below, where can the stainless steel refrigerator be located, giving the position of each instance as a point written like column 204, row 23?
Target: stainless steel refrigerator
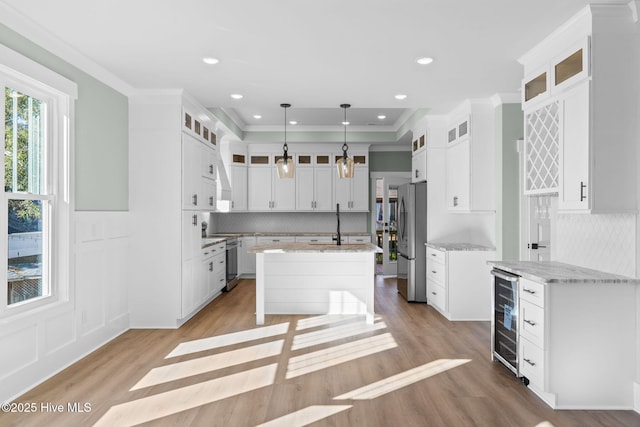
column 412, row 235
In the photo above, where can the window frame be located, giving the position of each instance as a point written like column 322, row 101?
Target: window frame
column 24, row 75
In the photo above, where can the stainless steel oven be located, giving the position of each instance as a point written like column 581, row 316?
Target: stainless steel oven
column 232, row 263
column 504, row 322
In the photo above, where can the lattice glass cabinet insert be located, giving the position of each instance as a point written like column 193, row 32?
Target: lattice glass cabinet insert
column 542, row 148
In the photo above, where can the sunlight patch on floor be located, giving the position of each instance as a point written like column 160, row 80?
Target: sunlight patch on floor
column 328, row 319
column 338, row 354
column 174, row 401
column 306, row 416
column 228, row 339
column 211, row 363
column 335, row 333
column 402, row 379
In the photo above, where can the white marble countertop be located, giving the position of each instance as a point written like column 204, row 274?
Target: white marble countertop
column 557, row 272
column 442, row 246
column 291, row 247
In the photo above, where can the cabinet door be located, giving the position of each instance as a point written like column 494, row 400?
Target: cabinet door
column 191, row 234
column 191, row 162
column 238, row 188
column 207, row 194
column 259, row 193
column 574, row 185
column 246, row 259
column 323, row 185
column 458, row 176
column 342, row 192
column 209, row 162
column 283, row 192
column 419, row 166
column 305, row 183
column 360, row 190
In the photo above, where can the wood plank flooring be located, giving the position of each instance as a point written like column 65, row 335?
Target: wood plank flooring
column 412, row 368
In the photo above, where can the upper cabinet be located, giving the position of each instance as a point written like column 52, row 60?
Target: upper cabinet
column 238, row 178
column 268, row 192
column 470, row 158
column 419, row 159
column 579, row 99
column 352, row 194
column 314, row 182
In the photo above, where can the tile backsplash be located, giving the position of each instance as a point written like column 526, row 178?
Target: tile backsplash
column 600, row 242
column 324, row 222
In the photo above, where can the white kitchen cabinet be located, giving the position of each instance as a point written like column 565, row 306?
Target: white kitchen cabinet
column 353, row 193
column 314, row 239
column 169, row 281
column 419, row 166
column 457, row 283
column 596, row 102
column 470, row 183
column 577, row 355
column 314, row 182
column 268, row 192
column 354, row 239
column 238, row 172
column 198, row 175
column 213, row 267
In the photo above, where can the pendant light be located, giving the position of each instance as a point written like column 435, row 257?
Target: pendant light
column 345, row 163
column 285, row 164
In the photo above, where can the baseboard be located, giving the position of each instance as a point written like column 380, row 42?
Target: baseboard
column 636, row 397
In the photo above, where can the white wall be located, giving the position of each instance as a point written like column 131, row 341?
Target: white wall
column 38, row 345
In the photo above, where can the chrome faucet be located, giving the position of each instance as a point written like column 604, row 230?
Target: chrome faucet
column 338, row 239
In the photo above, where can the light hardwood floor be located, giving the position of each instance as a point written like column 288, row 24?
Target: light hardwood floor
column 411, row 368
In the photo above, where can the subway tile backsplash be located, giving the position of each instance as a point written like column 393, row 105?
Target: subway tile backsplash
column 601, row 242
column 275, row 222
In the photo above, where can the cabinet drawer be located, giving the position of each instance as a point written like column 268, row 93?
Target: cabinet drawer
column 531, row 362
column 435, row 254
column 436, row 271
column 359, row 239
column 275, row 239
column 532, row 323
column 314, row 239
column 219, row 263
column 532, row 292
column 436, row 295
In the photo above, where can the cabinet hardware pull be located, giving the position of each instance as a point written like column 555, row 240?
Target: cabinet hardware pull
column 211, row 266
column 582, row 187
column 195, row 199
column 433, row 255
column 530, row 322
column 433, row 293
column 417, row 173
column 211, row 201
column 211, row 169
column 455, row 200
column 530, row 362
column 433, row 271
column 195, row 220
column 529, row 291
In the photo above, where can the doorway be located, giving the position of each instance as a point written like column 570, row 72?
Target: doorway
column 384, row 222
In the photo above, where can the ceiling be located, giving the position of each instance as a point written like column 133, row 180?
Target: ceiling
column 312, row 54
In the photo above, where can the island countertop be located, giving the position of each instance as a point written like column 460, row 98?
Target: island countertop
column 294, row 247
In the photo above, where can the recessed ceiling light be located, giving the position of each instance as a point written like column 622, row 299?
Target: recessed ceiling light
column 236, row 96
column 424, row 61
column 401, row 96
column 257, row 116
column 345, row 123
column 382, row 117
column 210, row 60
column 293, row 122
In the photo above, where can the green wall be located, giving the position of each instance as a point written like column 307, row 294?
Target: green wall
column 509, row 129
column 390, row 161
column 101, row 131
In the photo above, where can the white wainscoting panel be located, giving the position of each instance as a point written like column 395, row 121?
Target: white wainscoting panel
column 36, row 345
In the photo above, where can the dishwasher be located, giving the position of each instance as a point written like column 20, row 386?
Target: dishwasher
column 232, row 263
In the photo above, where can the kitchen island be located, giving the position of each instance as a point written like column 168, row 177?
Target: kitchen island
column 314, row 278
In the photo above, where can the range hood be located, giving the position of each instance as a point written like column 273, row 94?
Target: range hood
column 223, row 189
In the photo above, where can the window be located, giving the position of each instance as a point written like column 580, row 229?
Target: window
column 27, row 198
column 35, row 205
